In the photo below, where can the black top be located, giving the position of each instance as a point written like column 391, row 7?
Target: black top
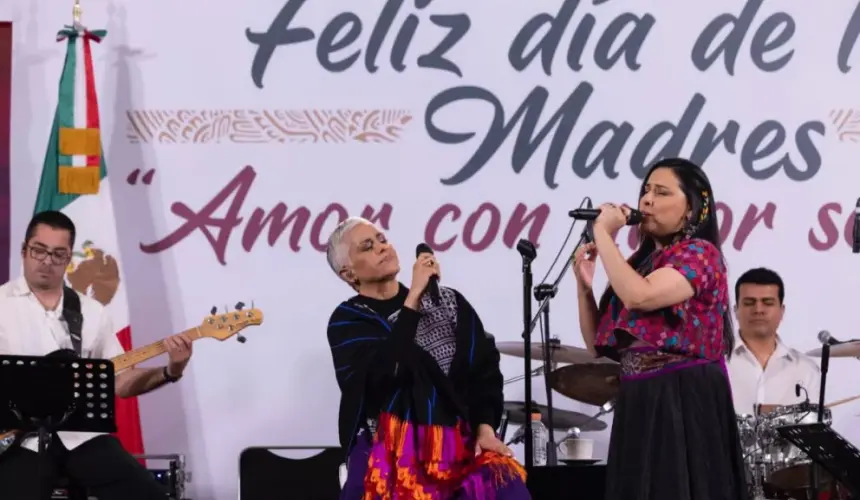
column 380, row 367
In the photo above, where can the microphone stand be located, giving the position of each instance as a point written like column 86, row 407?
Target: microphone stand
column 528, row 252
column 812, row 493
column 543, row 294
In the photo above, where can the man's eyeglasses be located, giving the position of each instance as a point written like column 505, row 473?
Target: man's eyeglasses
column 59, row 256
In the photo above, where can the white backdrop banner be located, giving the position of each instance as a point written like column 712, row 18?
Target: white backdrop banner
column 244, row 131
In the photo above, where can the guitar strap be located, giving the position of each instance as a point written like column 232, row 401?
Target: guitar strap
column 74, row 318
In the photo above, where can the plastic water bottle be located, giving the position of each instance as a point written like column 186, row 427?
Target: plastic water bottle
column 540, row 437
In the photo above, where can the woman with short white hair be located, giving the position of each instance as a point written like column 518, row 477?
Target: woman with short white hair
column 421, row 390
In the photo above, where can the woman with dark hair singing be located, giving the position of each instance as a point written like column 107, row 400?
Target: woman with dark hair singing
column 665, row 318
column 421, row 390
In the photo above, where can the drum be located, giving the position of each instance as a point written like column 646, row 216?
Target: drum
column 757, row 462
column 789, row 467
column 747, row 434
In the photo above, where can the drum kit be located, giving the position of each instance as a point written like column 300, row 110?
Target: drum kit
column 589, row 380
column 776, row 469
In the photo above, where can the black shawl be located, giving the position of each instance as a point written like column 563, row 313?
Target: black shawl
column 380, row 368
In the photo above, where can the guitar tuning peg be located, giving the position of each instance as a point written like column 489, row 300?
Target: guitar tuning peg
column 213, row 310
column 241, row 339
column 240, row 306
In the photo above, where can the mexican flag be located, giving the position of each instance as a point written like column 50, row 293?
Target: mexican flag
column 75, row 181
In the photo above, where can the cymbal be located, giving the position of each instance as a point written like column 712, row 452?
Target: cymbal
column 594, row 384
column 562, row 419
column 846, row 350
column 560, row 353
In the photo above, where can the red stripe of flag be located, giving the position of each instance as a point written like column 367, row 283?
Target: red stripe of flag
column 127, row 412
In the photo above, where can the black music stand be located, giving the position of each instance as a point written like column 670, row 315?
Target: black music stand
column 829, row 450
column 43, row 395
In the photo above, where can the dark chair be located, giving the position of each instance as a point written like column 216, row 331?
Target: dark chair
column 264, row 475
column 550, row 483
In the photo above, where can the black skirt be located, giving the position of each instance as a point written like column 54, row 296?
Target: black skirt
column 675, row 437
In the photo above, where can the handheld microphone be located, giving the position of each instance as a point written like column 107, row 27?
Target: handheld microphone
column 855, row 247
column 592, row 213
column 433, row 285
column 503, row 427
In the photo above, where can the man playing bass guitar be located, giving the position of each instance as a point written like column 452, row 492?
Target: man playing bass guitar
column 33, row 322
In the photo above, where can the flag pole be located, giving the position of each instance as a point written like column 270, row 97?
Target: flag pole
column 77, row 12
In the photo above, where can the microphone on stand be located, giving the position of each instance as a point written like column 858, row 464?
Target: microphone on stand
column 826, row 339
column 592, row 213
column 799, row 387
column 855, row 246
column 588, row 234
column 433, row 285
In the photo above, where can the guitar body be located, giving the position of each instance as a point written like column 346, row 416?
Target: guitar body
column 8, row 439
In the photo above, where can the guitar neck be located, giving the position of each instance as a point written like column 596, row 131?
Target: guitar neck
column 147, row 352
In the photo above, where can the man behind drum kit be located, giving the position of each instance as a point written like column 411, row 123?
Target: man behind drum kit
column 762, row 369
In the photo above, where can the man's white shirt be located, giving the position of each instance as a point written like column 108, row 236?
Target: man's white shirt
column 775, row 384
column 27, row 329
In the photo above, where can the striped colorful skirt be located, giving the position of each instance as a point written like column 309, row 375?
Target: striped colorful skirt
column 405, row 461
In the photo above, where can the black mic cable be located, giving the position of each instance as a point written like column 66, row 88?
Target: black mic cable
column 586, row 202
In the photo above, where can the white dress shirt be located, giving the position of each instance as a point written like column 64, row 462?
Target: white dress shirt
column 775, row 384
column 27, row 329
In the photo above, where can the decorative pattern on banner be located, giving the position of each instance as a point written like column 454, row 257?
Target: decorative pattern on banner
column 267, row 126
column 847, row 122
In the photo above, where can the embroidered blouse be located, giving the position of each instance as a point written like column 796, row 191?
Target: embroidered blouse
column 692, row 328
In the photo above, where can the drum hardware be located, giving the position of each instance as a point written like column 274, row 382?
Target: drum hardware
column 576, row 431
column 594, row 384
column 774, row 465
column 850, row 349
column 562, row 419
column 560, row 353
column 175, row 477
column 536, row 372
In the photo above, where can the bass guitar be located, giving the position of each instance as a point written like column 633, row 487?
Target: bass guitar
column 215, row 326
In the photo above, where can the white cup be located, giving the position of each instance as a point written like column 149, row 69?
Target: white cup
column 579, row 449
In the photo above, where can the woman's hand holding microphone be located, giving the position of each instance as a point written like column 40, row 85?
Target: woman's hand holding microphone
column 612, row 218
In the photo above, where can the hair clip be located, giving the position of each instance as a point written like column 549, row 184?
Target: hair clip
column 705, row 207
